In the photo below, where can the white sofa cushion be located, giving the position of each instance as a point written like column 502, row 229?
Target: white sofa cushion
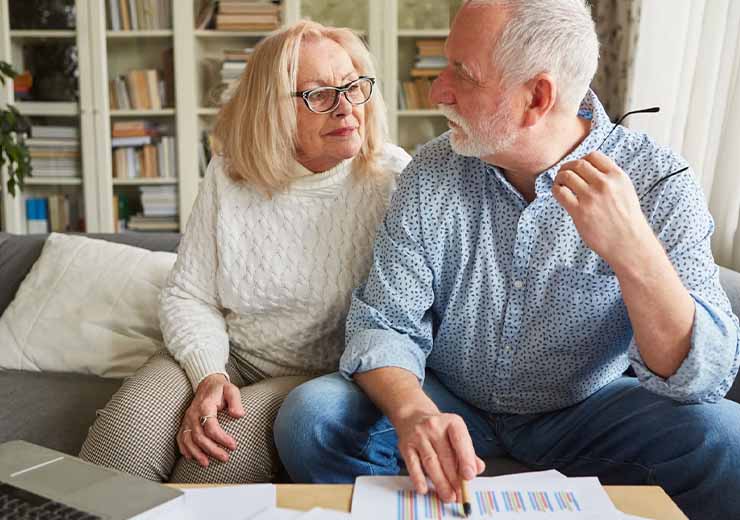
column 87, row 306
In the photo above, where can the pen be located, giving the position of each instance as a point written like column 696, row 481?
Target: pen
column 465, row 498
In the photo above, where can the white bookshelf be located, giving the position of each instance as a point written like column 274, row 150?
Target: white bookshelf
column 103, row 53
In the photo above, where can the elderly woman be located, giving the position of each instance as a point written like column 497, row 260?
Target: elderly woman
column 280, row 234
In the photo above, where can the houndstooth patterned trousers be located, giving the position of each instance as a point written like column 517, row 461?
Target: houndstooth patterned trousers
column 135, row 433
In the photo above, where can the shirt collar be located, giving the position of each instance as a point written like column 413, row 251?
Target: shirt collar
column 591, row 108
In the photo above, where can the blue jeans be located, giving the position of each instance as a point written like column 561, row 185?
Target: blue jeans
column 329, row 431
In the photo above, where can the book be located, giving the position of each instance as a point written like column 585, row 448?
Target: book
column 152, row 82
column 55, row 132
column 124, row 13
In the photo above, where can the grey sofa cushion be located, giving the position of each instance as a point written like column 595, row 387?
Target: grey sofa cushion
column 53, row 410
column 17, row 255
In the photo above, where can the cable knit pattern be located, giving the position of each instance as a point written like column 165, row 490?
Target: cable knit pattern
column 272, row 278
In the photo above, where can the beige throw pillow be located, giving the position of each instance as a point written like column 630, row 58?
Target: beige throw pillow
column 87, row 306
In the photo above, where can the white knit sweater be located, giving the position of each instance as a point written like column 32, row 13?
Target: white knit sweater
column 273, row 278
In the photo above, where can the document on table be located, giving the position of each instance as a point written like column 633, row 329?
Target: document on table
column 228, row 502
column 276, row 513
column 539, row 495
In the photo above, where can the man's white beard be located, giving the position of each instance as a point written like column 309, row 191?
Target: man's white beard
column 494, row 136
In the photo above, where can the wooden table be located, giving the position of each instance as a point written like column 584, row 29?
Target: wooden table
column 646, row 501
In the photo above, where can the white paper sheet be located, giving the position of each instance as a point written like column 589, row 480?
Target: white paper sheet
column 228, row 502
column 318, row 513
column 512, row 497
column 278, row 513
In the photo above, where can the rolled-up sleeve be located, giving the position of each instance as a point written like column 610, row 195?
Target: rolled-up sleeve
column 390, row 319
column 682, row 222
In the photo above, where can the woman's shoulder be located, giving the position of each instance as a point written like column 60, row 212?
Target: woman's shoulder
column 393, row 159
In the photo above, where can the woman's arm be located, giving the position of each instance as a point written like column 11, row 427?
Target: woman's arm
column 190, row 314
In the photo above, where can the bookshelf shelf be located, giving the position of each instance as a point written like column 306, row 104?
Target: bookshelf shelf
column 53, row 181
column 41, row 33
column 44, row 108
column 420, row 113
column 142, row 113
column 160, row 33
column 210, row 33
column 208, row 111
column 144, row 182
column 423, row 33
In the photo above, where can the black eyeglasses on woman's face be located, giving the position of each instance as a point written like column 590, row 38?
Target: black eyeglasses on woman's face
column 322, row 100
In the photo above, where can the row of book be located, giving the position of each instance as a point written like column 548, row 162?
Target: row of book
column 239, row 15
column 140, row 90
column 139, row 15
column 57, row 212
column 55, row 151
column 414, row 94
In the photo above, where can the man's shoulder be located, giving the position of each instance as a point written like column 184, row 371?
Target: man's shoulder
column 662, row 177
column 648, row 162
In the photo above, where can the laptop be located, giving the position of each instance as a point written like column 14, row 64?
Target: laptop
column 35, row 479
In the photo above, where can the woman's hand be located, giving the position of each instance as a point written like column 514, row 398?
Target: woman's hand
column 199, row 441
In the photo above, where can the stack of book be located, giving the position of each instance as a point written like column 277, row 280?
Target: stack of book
column 430, row 59
column 139, row 15
column 235, row 61
column 159, row 210
column 244, row 15
column 430, row 62
column 55, row 151
column 142, row 149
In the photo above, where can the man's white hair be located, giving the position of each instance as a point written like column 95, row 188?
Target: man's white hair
column 553, row 36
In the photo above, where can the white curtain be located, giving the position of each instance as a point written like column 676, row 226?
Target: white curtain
column 688, row 62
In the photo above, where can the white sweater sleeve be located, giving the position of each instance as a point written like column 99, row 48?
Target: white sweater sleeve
column 190, row 313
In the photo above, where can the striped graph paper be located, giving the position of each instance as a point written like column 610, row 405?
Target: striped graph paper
column 412, row 506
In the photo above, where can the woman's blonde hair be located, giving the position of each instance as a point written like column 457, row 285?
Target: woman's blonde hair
column 256, row 129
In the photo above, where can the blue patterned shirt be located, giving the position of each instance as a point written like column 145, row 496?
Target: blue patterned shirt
column 504, row 302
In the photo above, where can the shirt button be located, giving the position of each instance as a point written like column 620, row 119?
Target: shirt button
column 518, row 284
column 507, row 348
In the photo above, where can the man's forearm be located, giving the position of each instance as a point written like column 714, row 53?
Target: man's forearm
column 396, row 392
column 660, row 308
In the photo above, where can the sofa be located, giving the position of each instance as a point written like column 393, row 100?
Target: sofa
column 56, row 410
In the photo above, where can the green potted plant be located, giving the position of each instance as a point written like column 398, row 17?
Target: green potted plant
column 13, row 149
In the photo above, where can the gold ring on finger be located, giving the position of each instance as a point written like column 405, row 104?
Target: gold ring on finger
column 204, row 418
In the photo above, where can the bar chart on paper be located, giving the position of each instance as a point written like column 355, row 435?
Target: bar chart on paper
column 522, row 497
column 486, row 503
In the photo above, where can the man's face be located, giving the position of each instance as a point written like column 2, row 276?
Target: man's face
column 469, row 93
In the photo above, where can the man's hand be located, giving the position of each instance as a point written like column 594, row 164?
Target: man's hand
column 604, row 206
column 199, row 441
column 438, row 446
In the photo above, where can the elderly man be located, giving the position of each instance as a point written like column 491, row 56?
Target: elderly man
column 529, row 257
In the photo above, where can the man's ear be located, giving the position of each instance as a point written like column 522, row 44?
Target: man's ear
column 541, row 96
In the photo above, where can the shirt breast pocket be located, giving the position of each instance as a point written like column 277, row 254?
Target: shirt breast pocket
column 586, row 306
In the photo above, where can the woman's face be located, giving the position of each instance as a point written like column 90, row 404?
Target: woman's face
column 325, row 140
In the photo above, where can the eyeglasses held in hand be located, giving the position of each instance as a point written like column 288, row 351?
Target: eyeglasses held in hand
column 322, row 100
column 619, row 121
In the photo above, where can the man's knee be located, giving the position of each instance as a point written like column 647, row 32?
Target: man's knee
column 309, row 412
column 715, row 432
